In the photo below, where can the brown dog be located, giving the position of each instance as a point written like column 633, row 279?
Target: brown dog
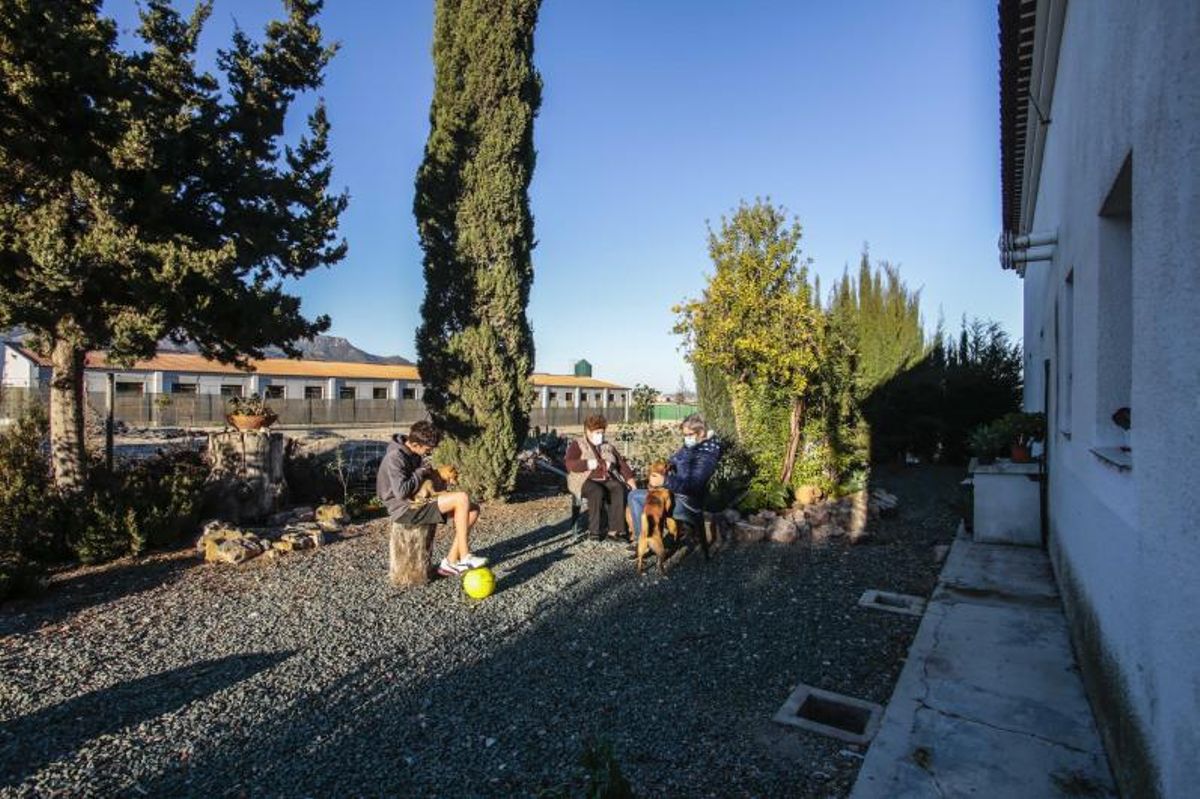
column 656, row 520
column 435, row 484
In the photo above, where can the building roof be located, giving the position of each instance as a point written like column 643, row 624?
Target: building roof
column 287, row 367
column 1017, row 23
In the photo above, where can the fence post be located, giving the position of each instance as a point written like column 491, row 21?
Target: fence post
column 109, row 390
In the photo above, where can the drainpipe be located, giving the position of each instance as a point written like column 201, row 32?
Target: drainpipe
column 1017, row 251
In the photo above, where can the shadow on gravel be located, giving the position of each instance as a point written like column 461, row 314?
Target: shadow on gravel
column 554, row 539
column 30, row 743
column 67, row 596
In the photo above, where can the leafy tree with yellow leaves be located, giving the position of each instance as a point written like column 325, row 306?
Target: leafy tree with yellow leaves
column 758, row 323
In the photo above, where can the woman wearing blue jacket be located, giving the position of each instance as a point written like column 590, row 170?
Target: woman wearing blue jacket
column 691, row 467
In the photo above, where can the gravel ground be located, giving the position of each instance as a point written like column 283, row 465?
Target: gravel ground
column 310, row 676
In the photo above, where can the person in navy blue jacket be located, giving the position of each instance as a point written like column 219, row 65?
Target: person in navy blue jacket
column 687, row 478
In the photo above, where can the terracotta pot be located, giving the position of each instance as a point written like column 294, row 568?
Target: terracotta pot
column 242, row 421
column 1020, row 454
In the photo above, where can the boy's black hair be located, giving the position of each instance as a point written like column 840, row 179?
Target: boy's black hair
column 425, row 434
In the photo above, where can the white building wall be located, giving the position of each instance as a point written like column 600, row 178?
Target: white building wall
column 1125, row 541
column 18, row 371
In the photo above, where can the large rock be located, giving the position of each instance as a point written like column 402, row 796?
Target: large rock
column 748, row 532
column 332, row 518
column 240, row 550
column 825, row 532
column 783, row 531
column 302, row 513
column 883, row 502
column 808, row 495
column 817, row 515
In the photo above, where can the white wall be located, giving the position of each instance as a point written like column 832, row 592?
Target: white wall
column 17, row 370
column 1127, row 542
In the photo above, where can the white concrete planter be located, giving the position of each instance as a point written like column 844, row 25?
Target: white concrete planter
column 1007, row 503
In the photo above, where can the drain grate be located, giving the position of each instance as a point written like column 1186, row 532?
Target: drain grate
column 843, row 717
column 905, row 604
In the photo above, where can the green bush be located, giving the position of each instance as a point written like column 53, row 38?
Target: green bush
column 30, row 526
column 643, row 444
column 150, row 504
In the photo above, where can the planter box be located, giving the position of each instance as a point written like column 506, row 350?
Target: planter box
column 1007, row 505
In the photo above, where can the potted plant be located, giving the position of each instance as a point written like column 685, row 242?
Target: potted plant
column 987, row 441
column 250, row 413
column 1023, row 429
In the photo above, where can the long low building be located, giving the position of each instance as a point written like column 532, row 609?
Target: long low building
column 179, row 375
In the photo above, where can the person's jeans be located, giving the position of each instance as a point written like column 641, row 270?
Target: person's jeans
column 680, row 511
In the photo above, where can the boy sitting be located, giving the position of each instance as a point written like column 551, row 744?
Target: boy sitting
column 405, row 466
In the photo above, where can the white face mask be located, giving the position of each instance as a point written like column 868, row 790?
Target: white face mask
column 689, row 441
column 597, row 438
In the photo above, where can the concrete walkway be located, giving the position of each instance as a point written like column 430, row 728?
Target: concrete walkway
column 989, row 703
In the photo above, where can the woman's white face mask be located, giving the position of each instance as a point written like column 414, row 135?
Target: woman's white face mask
column 597, row 438
column 689, row 441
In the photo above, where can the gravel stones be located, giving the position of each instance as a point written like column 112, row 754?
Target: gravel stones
column 310, row 676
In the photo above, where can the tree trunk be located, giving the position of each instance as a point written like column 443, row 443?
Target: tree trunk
column 789, row 463
column 67, row 448
column 409, row 549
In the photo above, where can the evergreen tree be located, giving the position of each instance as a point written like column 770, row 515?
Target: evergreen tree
column 143, row 199
column 475, row 344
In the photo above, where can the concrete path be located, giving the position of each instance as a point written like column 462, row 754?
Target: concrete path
column 990, row 702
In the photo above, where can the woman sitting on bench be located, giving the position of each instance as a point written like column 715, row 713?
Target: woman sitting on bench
column 687, row 478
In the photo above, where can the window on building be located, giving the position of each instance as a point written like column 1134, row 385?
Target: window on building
column 274, row 392
column 408, row 393
column 568, row 397
column 125, row 388
column 183, row 388
column 347, row 392
column 314, row 392
column 231, row 390
column 1114, row 317
column 379, row 393
column 553, row 396
column 583, row 398
column 611, row 398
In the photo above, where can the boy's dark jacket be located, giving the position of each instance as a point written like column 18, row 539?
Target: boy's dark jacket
column 401, row 473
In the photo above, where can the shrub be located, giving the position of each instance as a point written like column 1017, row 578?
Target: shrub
column 30, row 525
column 643, row 444
column 149, row 504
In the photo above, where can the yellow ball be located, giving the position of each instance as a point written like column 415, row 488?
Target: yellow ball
column 479, row 583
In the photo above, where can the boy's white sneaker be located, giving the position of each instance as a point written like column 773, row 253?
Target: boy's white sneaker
column 472, row 562
column 448, row 569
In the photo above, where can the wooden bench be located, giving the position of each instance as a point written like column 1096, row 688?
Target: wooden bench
column 410, row 551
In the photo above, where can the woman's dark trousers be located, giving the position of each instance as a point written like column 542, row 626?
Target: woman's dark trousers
column 609, row 496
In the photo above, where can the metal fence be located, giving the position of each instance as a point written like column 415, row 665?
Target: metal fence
column 208, row 410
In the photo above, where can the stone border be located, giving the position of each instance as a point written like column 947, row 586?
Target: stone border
column 789, row 714
column 904, row 604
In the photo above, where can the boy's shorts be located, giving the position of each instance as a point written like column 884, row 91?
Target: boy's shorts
column 418, row 515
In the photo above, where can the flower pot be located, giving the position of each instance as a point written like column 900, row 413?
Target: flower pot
column 1020, row 453
column 242, row 421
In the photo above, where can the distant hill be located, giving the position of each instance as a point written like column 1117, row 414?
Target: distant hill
column 319, row 348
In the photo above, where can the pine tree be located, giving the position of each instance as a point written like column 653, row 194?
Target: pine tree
column 475, row 344
column 142, row 199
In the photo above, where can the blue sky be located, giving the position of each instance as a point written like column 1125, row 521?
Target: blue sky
column 871, row 121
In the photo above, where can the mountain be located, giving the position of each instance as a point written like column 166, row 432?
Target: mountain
column 319, row 348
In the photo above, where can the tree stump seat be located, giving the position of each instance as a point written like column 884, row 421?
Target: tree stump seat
column 409, row 554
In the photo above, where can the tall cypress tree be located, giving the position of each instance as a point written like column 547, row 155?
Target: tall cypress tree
column 475, row 344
